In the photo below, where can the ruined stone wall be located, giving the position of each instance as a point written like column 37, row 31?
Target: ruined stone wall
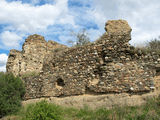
column 109, row 65
column 30, row 59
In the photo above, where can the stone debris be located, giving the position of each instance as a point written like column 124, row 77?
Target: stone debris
column 109, row 65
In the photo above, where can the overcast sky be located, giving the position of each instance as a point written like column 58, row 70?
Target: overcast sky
column 54, row 19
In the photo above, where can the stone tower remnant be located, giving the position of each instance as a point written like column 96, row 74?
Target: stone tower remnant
column 31, row 58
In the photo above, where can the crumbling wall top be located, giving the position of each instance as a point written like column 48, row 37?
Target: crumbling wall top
column 117, row 27
column 35, row 38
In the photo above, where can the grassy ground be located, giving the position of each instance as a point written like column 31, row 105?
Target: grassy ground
column 48, row 111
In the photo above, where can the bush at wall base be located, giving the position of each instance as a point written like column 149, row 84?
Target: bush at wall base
column 43, row 111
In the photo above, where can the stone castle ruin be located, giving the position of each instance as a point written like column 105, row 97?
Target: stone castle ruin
column 108, row 65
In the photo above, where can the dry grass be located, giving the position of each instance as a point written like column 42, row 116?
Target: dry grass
column 149, row 111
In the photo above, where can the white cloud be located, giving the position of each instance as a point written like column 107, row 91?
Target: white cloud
column 26, row 18
column 30, row 19
column 3, row 61
column 9, row 40
column 142, row 16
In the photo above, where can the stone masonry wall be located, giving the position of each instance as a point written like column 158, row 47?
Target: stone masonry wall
column 109, row 65
column 30, row 59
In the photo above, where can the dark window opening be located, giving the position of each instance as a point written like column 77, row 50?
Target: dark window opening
column 60, row 82
column 12, row 56
column 157, row 72
column 53, row 64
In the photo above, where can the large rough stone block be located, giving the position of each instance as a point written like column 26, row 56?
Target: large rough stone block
column 117, row 27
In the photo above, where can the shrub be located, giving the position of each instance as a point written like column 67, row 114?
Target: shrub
column 81, row 38
column 152, row 46
column 43, row 111
column 11, row 93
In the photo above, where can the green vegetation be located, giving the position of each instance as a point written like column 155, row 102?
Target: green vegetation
column 48, row 111
column 152, row 46
column 43, row 111
column 11, row 93
column 30, row 74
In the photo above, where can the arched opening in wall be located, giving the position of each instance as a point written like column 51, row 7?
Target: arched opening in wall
column 60, row 82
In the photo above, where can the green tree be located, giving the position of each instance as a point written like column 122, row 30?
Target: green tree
column 11, row 93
